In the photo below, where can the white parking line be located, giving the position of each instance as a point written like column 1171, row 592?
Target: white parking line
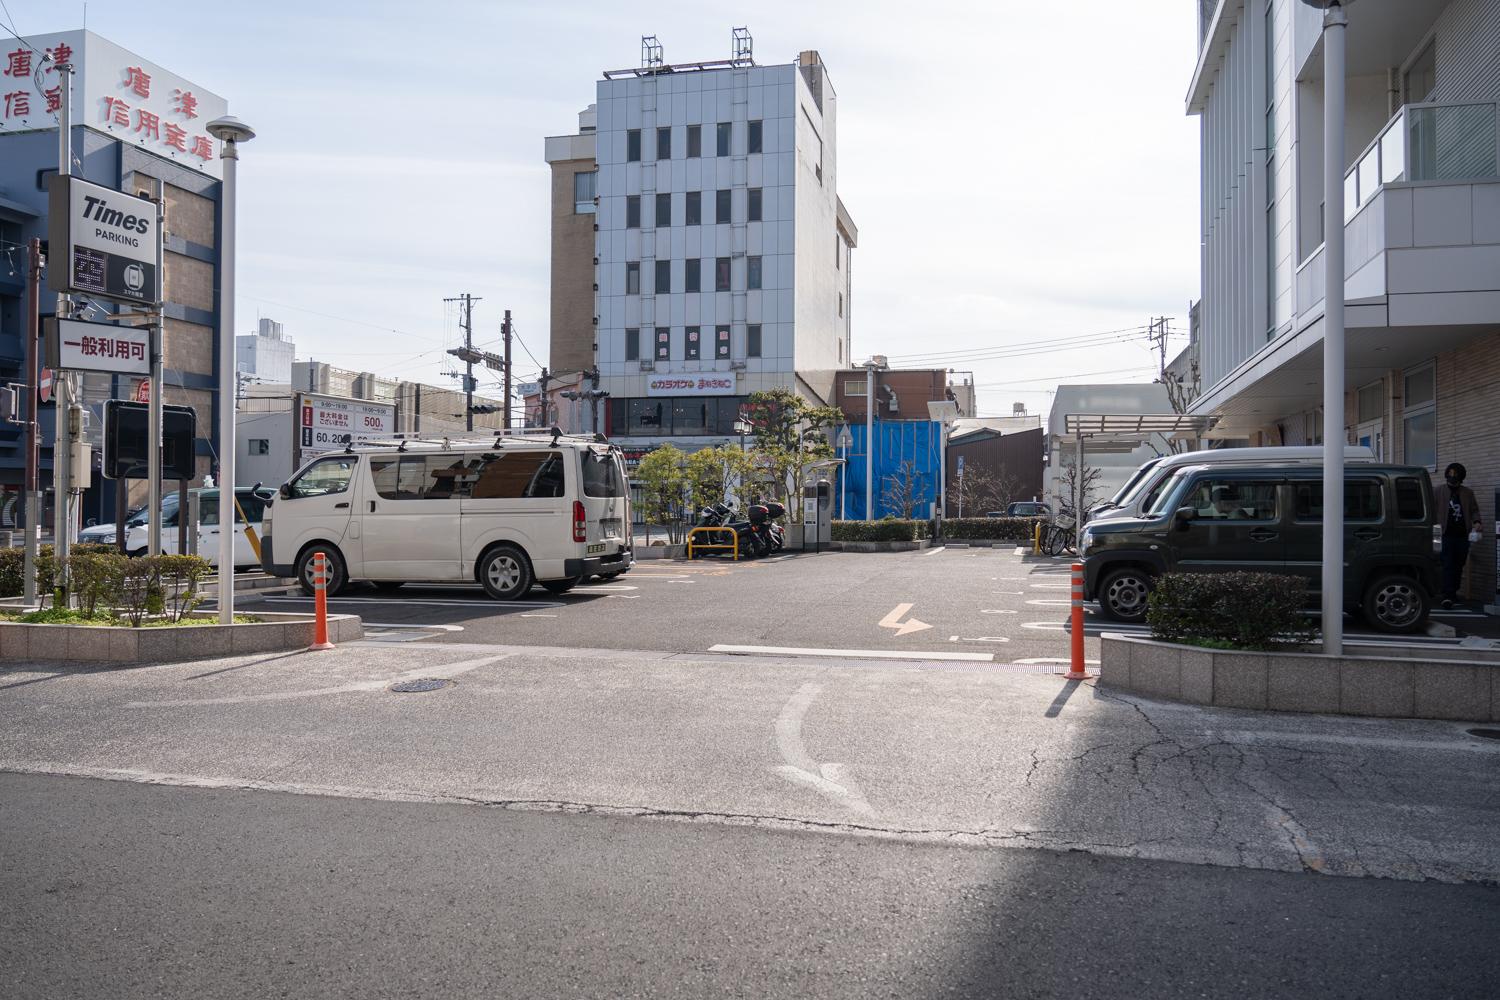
column 399, row 602
column 423, row 628
column 933, row 552
column 861, row 654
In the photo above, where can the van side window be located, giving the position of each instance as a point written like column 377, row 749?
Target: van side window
column 1361, row 500
column 418, row 477
column 1411, row 500
column 1232, row 500
column 328, row 475
column 516, row 475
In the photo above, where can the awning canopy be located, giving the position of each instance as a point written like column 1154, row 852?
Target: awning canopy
column 1125, row 428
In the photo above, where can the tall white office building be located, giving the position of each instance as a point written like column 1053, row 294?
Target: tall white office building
column 721, row 250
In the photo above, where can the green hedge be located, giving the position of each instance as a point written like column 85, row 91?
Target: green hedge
column 12, row 563
column 888, row 530
column 1010, row 529
column 1238, row 610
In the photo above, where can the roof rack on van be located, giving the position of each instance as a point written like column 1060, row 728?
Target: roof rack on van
column 499, row 438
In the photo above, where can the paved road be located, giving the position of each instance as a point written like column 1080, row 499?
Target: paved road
column 127, row 891
column 985, row 603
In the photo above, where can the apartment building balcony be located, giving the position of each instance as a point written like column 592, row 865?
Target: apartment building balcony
column 1421, row 262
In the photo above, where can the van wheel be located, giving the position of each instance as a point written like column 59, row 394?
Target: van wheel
column 1122, row 595
column 561, row 586
column 505, row 573
column 1395, row 604
column 338, row 576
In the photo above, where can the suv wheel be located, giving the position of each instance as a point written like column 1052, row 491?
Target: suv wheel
column 505, row 573
column 1395, row 603
column 1123, row 593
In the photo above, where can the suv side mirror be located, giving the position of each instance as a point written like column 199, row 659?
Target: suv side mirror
column 1183, row 516
column 285, row 491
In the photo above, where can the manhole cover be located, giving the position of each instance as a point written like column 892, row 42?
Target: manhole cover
column 1486, row 734
column 420, row 684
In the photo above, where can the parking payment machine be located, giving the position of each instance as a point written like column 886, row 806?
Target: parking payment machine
column 817, row 515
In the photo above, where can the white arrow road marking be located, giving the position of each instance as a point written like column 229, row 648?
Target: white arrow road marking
column 893, row 620
column 999, row 611
column 979, row 638
column 831, row 780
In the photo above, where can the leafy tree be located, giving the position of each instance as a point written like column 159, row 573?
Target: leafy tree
column 663, row 481
column 789, row 433
column 713, row 473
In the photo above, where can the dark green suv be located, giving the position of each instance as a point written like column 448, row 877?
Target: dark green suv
column 1269, row 519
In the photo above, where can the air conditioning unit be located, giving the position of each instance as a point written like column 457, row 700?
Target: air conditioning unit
column 596, row 320
column 647, row 365
column 738, row 364
column 596, row 258
column 596, row 286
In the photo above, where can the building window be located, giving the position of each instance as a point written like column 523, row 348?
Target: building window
column 752, row 137
column 695, row 140
column 690, row 343
column 752, row 272
column 663, row 344
column 649, row 416
column 721, row 205
column 721, row 274
column 260, row 446
column 633, row 146
column 721, row 343
column 1419, row 416
column 753, row 200
column 691, row 269
column 663, row 277
column 1371, row 402
column 663, row 210
column 585, row 186
column 1420, row 79
column 838, row 251
column 722, row 139
column 841, row 303
column 632, row 277
column 693, row 202
column 752, row 340
column 632, row 211
column 664, row 143
column 632, row 344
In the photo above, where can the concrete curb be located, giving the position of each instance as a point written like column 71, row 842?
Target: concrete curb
column 880, row 546
column 123, row 645
column 1393, row 682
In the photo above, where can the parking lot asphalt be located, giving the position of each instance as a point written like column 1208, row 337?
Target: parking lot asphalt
column 982, row 604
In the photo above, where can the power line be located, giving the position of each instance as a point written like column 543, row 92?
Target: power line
column 935, row 355
column 1055, row 378
column 12, row 29
column 516, row 333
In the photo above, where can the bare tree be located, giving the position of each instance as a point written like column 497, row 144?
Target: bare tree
column 1067, row 489
column 904, row 489
column 982, row 490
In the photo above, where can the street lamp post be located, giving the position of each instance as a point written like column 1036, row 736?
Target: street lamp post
column 1335, row 27
column 844, row 440
column 231, row 132
column 876, row 363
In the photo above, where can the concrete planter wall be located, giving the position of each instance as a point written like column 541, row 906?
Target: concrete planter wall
column 1449, row 683
column 880, row 546
column 122, row 644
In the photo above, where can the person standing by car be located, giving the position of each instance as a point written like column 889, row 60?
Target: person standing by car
column 1461, row 528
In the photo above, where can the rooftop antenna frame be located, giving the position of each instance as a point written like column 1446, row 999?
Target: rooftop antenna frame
column 651, row 53
column 743, row 47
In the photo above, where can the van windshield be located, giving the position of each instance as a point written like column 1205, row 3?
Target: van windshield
column 1160, row 499
column 1134, row 484
column 601, row 475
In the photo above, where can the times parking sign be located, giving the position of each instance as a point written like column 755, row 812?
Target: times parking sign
column 109, row 242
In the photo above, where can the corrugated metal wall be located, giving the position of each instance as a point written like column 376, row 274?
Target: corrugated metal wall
column 1468, row 66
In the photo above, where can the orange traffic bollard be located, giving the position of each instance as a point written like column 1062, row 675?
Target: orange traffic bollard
column 320, row 602
column 1076, row 671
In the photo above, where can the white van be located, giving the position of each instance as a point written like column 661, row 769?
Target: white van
column 506, row 513
column 1133, row 498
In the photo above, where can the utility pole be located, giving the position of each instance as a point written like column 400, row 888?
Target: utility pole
column 542, row 380
column 467, row 355
column 1158, row 331
column 62, row 382
column 505, row 333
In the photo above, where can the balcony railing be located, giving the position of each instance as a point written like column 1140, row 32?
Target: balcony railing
column 1427, row 142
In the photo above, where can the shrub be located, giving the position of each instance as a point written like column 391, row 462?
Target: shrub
column 888, row 530
column 1017, row 529
column 12, row 563
column 1245, row 610
column 97, row 578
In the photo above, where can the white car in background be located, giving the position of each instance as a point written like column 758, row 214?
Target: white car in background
column 252, row 502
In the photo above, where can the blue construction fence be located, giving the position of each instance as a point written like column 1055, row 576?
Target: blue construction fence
column 896, row 442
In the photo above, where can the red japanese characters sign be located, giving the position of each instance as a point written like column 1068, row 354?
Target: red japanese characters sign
column 74, row 345
column 115, row 91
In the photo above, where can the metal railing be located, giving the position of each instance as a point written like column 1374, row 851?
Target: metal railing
column 1427, row 142
column 733, row 544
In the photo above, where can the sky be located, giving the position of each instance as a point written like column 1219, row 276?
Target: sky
column 1020, row 173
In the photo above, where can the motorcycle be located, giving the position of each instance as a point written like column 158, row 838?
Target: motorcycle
column 752, row 544
column 764, row 522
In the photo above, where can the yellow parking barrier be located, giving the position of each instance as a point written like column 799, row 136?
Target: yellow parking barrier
column 1036, row 539
column 733, row 545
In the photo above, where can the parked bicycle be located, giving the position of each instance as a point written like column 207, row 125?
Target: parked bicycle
column 1059, row 536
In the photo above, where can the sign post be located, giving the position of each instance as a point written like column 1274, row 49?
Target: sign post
column 960, row 486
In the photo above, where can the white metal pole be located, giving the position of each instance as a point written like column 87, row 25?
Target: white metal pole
column 231, row 157
column 870, row 442
column 844, row 483
column 62, row 398
column 942, row 473
column 1334, row 25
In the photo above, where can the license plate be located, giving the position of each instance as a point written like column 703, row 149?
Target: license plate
column 596, row 548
